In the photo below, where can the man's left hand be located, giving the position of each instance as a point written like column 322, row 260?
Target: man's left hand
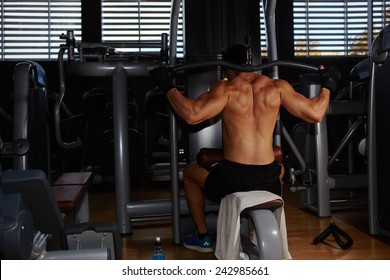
column 163, row 76
column 330, row 78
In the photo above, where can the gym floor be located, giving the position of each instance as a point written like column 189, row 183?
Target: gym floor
column 302, row 226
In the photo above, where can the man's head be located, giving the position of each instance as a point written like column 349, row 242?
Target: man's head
column 236, row 54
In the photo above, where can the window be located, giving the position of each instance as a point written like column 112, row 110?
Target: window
column 137, row 25
column 263, row 36
column 31, row 29
column 337, row 27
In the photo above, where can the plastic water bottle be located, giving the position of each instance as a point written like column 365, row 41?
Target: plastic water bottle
column 158, row 253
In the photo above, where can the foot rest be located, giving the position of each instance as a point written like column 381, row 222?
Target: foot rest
column 92, row 235
column 70, row 188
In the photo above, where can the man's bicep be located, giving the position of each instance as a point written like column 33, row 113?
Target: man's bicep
column 206, row 106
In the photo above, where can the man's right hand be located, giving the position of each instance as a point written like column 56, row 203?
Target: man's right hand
column 330, row 78
column 163, row 77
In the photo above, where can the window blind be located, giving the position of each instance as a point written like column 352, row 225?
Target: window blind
column 136, row 26
column 263, row 36
column 31, row 29
column 338, row 27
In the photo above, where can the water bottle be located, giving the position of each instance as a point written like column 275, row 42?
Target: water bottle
column 158, row 253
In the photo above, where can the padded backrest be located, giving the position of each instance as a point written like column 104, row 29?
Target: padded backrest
column 38, row 197
column 381, row 46
column 361, row 70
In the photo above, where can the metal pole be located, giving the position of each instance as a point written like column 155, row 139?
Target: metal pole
column 121, row 147
column 175, row 9
column 371, row 157
column 272, row 50
column 272, row 47
column 21, row 100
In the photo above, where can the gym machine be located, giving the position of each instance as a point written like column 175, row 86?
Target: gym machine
column 317, row 198
column 82, row 63
column 119, row 70
column 378, row 136
column 31, row 216
column 34, row 208
column 315, row 179
column 30, row 143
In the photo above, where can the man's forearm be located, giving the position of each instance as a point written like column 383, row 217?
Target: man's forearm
column 179, row 103
column 321, row 103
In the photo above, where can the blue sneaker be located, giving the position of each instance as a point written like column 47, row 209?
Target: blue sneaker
column 204, row 245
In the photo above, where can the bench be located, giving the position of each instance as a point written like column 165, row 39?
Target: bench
column 268, row 245
column 260, row 217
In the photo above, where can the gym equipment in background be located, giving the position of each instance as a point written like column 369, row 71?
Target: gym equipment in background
column 33, row 208
column 32, row 216
column 378, row 136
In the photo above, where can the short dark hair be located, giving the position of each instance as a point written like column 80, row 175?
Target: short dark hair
column 236, row 54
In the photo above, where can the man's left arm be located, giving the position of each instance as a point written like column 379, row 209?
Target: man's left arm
column 192, row 111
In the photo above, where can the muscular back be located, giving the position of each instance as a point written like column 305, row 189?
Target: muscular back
column 249, row 118
column 249, row 104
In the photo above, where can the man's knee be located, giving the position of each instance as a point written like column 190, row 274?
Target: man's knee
column 194, row 173
column 189, row 170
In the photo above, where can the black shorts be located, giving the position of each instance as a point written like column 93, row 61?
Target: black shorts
column 227, row 177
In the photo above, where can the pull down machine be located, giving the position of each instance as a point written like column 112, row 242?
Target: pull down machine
column 127, row 210
column 119, row 72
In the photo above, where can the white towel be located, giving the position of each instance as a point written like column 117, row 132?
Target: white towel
column 228, row 224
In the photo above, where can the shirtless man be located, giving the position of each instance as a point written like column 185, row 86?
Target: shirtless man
column 249, row 104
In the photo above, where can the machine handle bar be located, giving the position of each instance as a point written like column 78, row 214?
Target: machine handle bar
column 246, row 68
column 57, row 105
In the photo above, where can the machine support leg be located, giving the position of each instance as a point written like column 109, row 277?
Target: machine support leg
column 121, row 148
column 322, row 169
column 174, row 179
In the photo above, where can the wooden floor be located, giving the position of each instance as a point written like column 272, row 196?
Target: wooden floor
column 302, row 227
